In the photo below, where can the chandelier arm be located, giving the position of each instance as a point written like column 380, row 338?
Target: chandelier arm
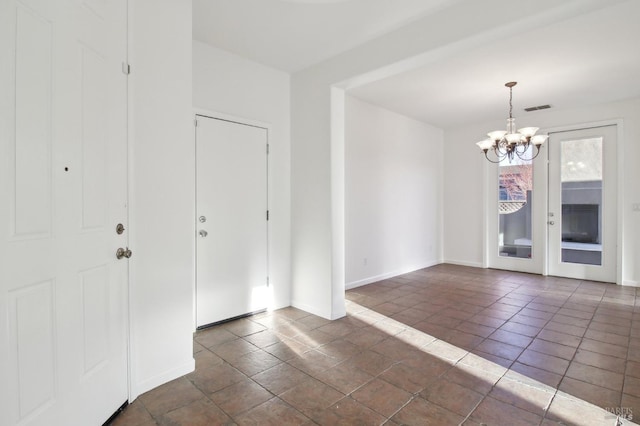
column 529, row 159
column 501, row 153
column 486, row 155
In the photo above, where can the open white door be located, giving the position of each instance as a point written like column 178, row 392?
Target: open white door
column 63, row 293
column 231, row 204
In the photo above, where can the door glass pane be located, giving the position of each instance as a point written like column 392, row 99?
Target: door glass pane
column 515, row 182
column 581, row 179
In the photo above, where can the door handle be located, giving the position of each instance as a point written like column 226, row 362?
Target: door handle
column 551, row 222
column 120, row 253
column 203, row 233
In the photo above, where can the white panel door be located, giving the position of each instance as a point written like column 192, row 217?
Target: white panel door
column 63, row 167
column 231, row 164
column 583, row 204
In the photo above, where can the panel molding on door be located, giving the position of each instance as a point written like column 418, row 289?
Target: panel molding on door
column 231, row 219
column 582, row 216
column 63, row 131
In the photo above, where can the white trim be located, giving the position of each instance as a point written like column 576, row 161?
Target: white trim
column 465, row 263
column 194, row 261
column 620, row 143
column 160, row 379
column 311, row 309
column 228, row 117
column 386, row 275
column 485, row 214
column 130, row 205
column 583, row 126
column 337, row 177
column 631, row 283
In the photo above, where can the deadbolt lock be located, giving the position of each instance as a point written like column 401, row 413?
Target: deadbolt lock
column 202, row 219
column 119, row 229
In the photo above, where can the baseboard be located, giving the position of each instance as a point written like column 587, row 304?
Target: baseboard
column 161, row 379
column 310, row 309
column 631, row 283
column 386, row 275
column 277, row 306
column 463, row 263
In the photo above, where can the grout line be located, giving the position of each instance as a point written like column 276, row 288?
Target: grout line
column 478, row 285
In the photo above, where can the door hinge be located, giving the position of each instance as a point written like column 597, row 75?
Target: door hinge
column 126, row 68
column 267, row 214
column 195, row 122
column 267, row 149
column 267, row 281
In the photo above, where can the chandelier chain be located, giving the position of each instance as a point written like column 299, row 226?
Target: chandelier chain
column 511, row 102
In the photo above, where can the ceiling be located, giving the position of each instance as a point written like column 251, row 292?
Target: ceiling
column 291, row 35
column 589, row 59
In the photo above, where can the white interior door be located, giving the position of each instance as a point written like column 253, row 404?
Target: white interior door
column 231, row 164
column 63, row 293
column 582, row 204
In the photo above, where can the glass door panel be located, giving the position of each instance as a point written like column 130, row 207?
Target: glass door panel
column 515, row 195
column 581, row 199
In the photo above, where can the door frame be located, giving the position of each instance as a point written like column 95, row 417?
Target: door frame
column 542, row 200
column 216, row 115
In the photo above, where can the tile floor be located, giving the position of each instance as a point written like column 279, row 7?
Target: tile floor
column 443, row 345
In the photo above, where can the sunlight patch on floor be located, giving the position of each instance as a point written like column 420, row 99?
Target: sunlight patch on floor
column 506, row 380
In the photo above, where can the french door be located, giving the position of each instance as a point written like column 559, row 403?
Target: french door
column 63, row 190
column 557, row 214
column 516, row 214
column 582, row 214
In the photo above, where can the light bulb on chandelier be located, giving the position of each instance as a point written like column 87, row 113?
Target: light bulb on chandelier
column 511, row 143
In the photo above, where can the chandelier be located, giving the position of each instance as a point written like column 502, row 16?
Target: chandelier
column 511, row 143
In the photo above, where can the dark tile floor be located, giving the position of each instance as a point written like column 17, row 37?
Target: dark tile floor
column 443, row 345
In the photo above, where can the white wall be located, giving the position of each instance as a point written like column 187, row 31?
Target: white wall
column 463, row 220
column 393, row 205
column 228, row 84
column 161, row 193
column 316, row 208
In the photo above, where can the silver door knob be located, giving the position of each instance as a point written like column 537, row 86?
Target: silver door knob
column 203, row 233
column 120, row 253
column 551, row 222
